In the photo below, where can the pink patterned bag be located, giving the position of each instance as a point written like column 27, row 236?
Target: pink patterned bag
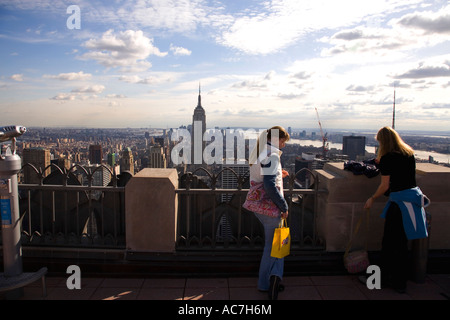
column 258, row 201
column 357, row 261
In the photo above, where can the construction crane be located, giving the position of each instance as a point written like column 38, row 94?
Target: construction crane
column 324, row 137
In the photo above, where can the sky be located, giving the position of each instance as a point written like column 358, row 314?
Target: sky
column 140, row 63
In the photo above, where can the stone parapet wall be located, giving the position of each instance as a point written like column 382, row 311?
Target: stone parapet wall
column 151, row 209
column 340, row 208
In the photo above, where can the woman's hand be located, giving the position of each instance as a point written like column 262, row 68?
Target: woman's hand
column 284, row 215
column 382, row 188
column 284, row 173
column 368, row 203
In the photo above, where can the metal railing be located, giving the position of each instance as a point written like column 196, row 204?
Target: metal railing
column 59, row 210
column 212, row 218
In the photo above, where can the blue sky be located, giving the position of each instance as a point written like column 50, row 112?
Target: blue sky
column 260, row 63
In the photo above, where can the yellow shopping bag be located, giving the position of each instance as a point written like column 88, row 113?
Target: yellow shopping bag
column 281, row 244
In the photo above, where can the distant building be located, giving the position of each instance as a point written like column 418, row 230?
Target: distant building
column 157, row 158
column 101, row 175
column 159, row 141
column 354, row 147
column 77, row 157
column 306, row 161
column 95, row 154
column 62, row 163
column 230, row 180
column 111, row 159
column 127, row 161
column 197, row 132
column 39, row 158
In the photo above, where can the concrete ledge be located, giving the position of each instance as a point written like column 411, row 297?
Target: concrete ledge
column 340, row 208
column 151, row 210
column 434, row 181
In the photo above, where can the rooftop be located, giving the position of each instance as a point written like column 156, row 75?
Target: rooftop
column 342, row 287
column 144, row 262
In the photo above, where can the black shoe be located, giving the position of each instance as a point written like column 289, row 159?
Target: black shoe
column 399, row 287
column 274, row 287
column 400, row 290
column 280, row 289
column 363, row 279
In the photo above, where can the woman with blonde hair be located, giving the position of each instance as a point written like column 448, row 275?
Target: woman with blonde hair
column 404, row 214
column 265, row 168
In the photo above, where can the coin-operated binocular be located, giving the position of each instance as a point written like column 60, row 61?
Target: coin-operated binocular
column 10, row 165
column 10, row 132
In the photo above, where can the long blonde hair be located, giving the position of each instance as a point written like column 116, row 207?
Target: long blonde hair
column 390, row 141
column 265, row 136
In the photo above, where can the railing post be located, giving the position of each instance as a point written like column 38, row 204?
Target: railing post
column 151, row 210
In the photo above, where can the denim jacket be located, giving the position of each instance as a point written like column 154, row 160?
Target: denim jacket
column 411, row 203
column 269, row 171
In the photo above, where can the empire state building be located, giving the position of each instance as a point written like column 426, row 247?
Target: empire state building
column 198, row 130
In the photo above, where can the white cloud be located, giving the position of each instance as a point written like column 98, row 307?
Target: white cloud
column 116, row 96
column 71, row 76
column 44, row 5
column 154, row 79
column 436, row 67
column 180, row 51
column 127, row 49
column 173, row 15
column 283, row 22
column 392, row 41
column 17, row 77
column 64, row 96
column 374, row 42
column 424, row 71
column 80, row 93
column 429, row 22
column 90, row 89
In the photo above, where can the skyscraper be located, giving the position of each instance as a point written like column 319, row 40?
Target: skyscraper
column 40, row 159
column 127, row 161
column 157, row 157
column 230, row 180
column 198, row 129
column 354, row 146
column 95, row 154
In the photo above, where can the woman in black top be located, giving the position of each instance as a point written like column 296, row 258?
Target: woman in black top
column 398, row 172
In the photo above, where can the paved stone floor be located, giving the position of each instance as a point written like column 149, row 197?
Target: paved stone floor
column 347, row 287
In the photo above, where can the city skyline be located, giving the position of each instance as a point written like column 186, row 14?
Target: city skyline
column 139, row 63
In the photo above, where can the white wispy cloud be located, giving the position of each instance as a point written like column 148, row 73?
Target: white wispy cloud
column 436, row 67
column 283, row 22
column 70, row 76
column 179, row 51
column 90, row 89
column 17, row 77
column 171, row 15
column 429, row 22
column 64, row 97
column 154, row 79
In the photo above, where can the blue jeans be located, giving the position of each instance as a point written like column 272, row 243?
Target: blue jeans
column 269, row 266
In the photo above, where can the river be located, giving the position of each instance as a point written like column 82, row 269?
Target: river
column 420, row 154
